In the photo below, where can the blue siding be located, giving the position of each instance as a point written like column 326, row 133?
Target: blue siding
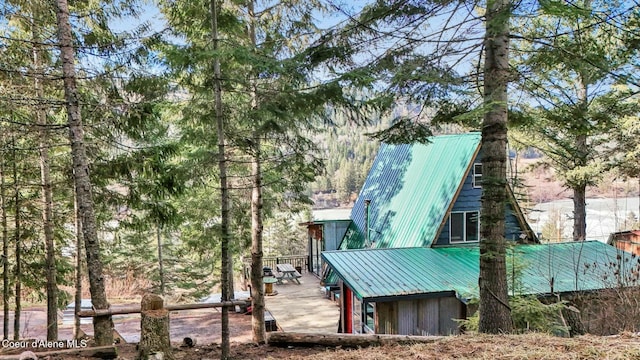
column 512, row 230
column 470, row 200
column 333, row 232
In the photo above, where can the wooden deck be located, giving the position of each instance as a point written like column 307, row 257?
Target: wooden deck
column 304, row 307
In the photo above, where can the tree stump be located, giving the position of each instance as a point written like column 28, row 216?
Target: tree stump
column 573, row 320
column 154, row 328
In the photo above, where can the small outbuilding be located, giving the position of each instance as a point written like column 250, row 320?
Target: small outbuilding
column 628, row 241
column 324, row 233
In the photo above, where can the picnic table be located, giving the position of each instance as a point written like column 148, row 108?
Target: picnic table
column 287, row 272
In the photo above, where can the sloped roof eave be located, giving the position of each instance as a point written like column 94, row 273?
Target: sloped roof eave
column 455, row 270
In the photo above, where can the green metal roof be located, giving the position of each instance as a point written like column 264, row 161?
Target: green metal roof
column 411, row 187
column 382, row 274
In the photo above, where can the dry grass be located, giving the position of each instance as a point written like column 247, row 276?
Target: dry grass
column 477, row 347
column 530, row 346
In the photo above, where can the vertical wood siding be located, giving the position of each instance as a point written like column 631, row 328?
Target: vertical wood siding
column 419, row 317
column 407, row 316
column 428, row 313
column 450, row 309
column 387, row 317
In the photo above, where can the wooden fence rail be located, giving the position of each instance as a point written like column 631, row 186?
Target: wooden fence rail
column 135, row 309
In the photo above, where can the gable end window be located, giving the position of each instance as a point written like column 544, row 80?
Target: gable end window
column 464, row 227
column 477, row 175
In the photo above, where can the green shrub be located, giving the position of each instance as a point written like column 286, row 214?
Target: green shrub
column 529, row 314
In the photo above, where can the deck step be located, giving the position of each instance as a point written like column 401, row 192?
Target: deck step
column 270, row 321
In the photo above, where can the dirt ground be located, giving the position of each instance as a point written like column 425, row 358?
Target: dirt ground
column 201, row 325
column 204, row 326
column 482, row 347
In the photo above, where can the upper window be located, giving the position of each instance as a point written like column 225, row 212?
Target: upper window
column 464, row 226
column 477, row 175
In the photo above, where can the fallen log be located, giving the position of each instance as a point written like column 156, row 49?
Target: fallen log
column 135, row 309
column 100, row 352
column 345, row 340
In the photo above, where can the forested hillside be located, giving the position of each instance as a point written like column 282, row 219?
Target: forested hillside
column 348, row 153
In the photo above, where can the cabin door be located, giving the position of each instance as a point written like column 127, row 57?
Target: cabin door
column 316, row 246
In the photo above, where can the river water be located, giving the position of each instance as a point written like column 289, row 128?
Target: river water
column 604, row 216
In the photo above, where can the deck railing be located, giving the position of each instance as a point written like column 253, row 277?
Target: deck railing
column 298, row 261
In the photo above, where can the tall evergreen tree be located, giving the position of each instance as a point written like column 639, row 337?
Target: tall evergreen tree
column 225, row 234
column 27, row 104
column 421, row 67
column 270, row 106
column 17, row 228
column 103, row 325
column 568, row 58
column 47, row 190
column 495, row 313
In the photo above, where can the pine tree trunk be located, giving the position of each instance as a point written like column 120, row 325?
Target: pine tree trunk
column 257, row 308
column 77, row 332
column 230, row 282
column 581, row 160
column 47, row 218
column 495, row 314
column 257, row 290
column 18, row 250
column 579, row 213
column 102, row 326
column 224, row 189
column 160, row 265
column 5, row 248
column 47, row 196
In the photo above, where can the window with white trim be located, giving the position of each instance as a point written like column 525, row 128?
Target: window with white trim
column 464, row 226
column 477, row 175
